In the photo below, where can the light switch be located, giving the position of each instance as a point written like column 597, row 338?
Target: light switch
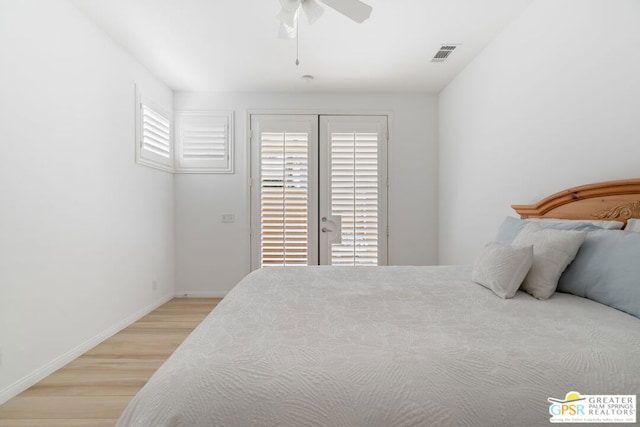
column 228, row 217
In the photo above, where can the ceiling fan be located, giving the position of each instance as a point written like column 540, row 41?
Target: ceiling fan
column 288, row 16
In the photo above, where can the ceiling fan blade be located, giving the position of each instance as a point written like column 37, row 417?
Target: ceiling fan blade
column 353, row 9
column 312, row 9
column 287, row 17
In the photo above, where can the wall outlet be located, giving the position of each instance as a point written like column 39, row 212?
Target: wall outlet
column 228, row 217
column 0, row 356
column 154, row 285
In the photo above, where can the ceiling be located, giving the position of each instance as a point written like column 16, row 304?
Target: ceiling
column 232, row 45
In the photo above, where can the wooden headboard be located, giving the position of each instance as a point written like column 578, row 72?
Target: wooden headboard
column 613, row 200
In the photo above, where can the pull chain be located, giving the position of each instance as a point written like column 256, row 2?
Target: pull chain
column 297, row 55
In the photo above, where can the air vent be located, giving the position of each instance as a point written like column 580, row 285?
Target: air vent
column 443, row 53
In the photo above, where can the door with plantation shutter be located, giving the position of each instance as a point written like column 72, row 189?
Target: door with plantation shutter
column 353, row 182
column 284, row 188
column 318, row 190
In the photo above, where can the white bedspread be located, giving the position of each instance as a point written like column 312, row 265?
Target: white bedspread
column 387, row 346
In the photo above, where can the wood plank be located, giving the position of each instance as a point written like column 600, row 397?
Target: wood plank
column 94, row 389
column 66, row 407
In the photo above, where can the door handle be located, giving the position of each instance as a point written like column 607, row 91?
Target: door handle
column 334, row 234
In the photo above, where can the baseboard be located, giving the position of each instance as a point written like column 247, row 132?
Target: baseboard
column 44, row 371
column 200, row 294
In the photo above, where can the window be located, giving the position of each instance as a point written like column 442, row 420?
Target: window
column 204, row 142
column 153, row 135
column 203, row 139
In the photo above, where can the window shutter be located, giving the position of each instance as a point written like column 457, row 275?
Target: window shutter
column 156, row 131
column 153, row 135
column 354, row 197
column 284, row 184
column 204, row 142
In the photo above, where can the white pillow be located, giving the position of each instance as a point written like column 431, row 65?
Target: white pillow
column 633, row 225
column 502, row 268
column 553, row 250
column 600, row 223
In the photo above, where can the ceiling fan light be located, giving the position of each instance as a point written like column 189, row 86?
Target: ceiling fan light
column 286, row 32
column 287, row 17
column 312, row 9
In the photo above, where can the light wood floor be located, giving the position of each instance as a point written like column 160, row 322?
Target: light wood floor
column 94, row 389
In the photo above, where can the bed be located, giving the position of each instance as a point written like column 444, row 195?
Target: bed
column 403, row 346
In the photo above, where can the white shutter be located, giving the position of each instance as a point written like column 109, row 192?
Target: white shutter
column 354, row 197
column 156, row 131
column 284, row 189
column 153, row 135
column 310, row 204
column 204, row 142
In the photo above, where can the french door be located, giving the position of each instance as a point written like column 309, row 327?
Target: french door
column 318, row 190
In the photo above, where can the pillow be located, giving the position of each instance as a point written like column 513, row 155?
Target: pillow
column 633, row 225
column 607, row 270
column 502, row 268
column 553, row 250
column 511, row 227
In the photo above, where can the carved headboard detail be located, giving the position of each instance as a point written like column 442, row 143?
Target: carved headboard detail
column 614, row 200
column 629, row 210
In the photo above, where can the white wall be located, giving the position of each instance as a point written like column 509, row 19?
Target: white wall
column 552, row 103
column 83, row 230
column 211, row 256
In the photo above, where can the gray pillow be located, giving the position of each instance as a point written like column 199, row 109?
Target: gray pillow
column 502, row 268
column 511, row 227
column 633, row 224
column 607, row 270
